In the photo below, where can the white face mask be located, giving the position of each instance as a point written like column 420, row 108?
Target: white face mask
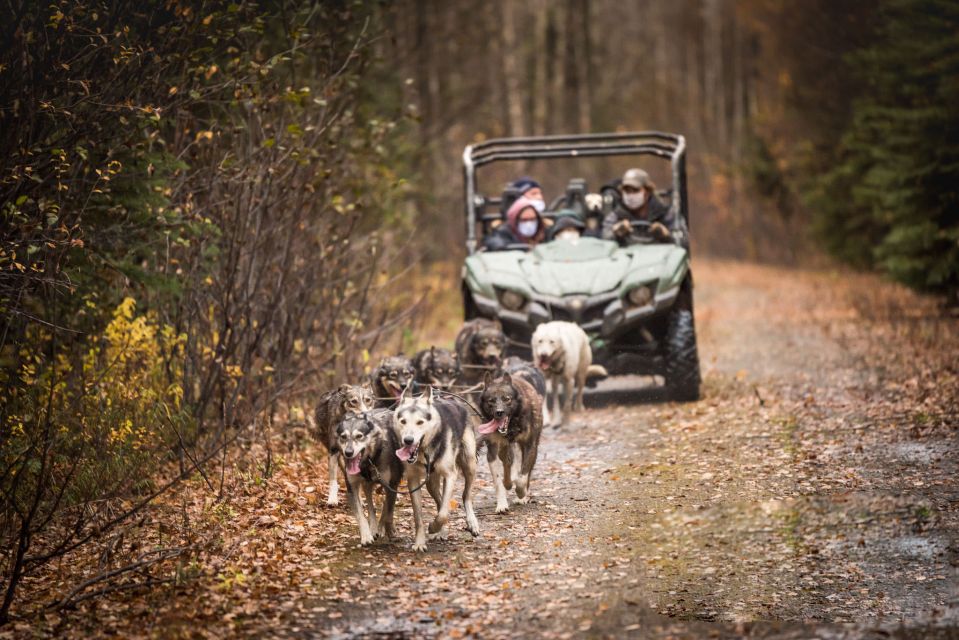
column 568, row 234
column 527, row 228
column 539, row 205
column 634, row 200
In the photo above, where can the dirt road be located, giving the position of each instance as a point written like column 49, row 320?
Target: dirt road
column 813, row 492
column 815, row 484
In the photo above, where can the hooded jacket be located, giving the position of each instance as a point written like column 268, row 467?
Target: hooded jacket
column 508, row 233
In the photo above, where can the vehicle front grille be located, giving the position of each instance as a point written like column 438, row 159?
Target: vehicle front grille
column 582, row 316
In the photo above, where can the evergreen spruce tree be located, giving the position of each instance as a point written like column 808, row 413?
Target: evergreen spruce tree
column 893, row 200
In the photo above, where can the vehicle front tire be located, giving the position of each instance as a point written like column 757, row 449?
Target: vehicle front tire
column 682, row 357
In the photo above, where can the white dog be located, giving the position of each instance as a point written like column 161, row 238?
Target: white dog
column 561, row 350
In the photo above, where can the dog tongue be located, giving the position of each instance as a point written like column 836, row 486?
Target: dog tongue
column 353, row 466
column 405, row 453
column 544, row 364
column 491, row 426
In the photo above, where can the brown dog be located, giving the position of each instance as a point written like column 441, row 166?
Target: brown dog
column 515, row 421
column 480, row 346
column 389, row 379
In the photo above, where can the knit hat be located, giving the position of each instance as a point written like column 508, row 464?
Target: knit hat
column 526, row 183
column 566, row 219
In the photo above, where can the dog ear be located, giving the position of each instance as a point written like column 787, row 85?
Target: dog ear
column 507, row 378
column 432, row 353
column 488, row 378
column 403, row 393
column 344, row 388
column 429, row 394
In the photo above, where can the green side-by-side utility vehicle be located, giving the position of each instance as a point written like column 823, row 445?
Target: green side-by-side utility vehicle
column 635, row 302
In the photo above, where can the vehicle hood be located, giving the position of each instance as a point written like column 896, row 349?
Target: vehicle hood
column 587, row 266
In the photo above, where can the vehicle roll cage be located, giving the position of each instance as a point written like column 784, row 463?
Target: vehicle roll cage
column 665, row 145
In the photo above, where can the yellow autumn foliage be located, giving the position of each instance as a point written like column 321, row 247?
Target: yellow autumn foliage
column 114, row 404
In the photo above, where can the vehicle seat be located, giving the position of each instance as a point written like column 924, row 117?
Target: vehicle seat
column 576, row 196
column 510, row 195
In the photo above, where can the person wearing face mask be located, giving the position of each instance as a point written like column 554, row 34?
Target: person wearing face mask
column 638, row 203
column 568, row 226
column 523, row 225
column 530, row 189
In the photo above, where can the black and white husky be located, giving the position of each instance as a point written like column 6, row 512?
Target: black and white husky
column 437, row 439
column 367, row 443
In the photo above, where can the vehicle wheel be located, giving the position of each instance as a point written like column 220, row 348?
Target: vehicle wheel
column 682, row 358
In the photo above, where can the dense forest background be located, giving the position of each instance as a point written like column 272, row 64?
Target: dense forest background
column 814, row 125
column 205, row 207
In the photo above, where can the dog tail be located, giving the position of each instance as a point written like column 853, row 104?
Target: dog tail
column 311, row 427
column 596, row 371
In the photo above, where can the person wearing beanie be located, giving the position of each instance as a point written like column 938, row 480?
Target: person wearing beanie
column 530, row 188
column 568, row 225
column 523, row 225
column 638, row 203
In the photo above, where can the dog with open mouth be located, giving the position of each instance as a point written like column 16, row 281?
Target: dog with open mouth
column 389, row 379
column 330, row 411
column 514, row 413
column 437, row 367
column 437, row 440
column 562, row 352
column 480, row 347
column 366, row 443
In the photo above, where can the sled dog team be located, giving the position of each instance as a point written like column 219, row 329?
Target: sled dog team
column 407, row 423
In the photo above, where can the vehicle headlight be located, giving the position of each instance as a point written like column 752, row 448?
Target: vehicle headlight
column 640, row 296
column 511, row 300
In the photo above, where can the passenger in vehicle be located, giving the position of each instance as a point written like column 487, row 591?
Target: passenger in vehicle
column 569, row 225
column 529, row 188
column 523, row 225
column 638, row 204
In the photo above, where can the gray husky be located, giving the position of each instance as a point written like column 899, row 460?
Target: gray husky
column 367, row 444
column 389, row 379
column 437, row 367
column 333, row 406
column 437, row 438
column 515, row 413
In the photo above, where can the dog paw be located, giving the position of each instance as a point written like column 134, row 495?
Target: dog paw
column 419, row 546
column 442, row 534
column 473, row 528
column 366, row 540
column 332, row 501
column 502, row 508
column 524, row 500
column 384, row 533
column 437, row 525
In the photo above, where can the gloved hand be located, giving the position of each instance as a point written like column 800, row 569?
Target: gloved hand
column 622, row 229
column 594, row 201
column 659, row 231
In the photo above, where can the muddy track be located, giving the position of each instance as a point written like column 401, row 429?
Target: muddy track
column 813, row 492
